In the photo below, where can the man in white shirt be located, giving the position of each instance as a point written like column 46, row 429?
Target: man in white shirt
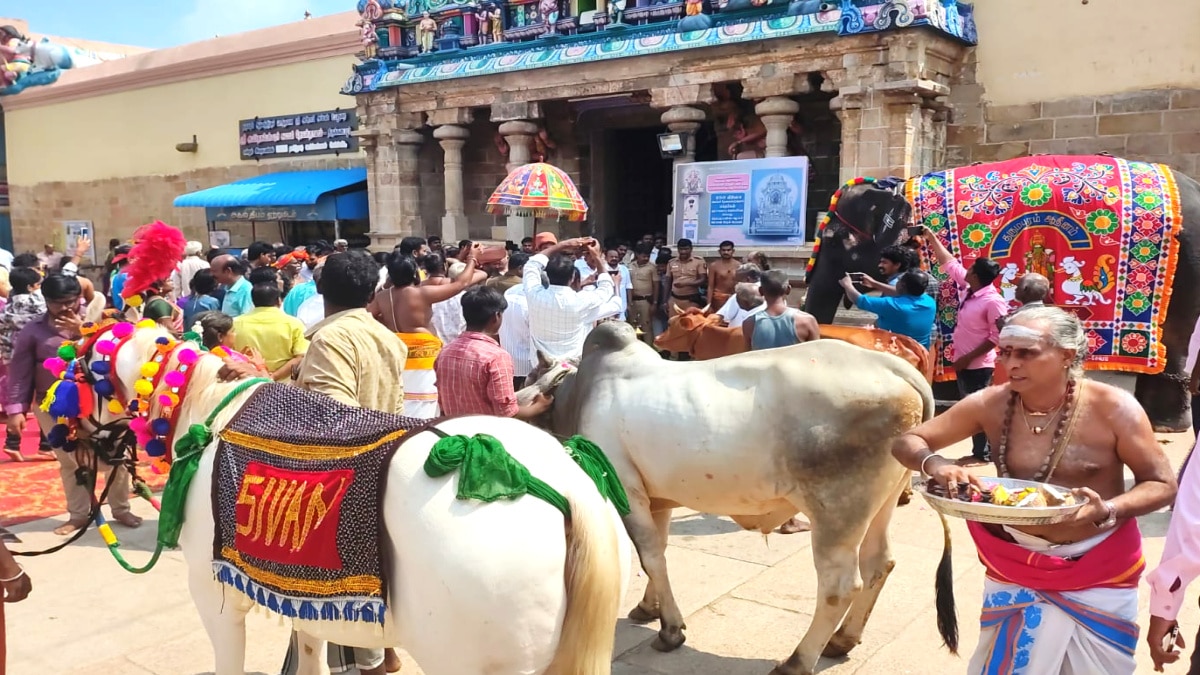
column 746, row 300
column 621, row 278
column 559, row 317
column 192, row 263
column 514, row 334
column 747, row 273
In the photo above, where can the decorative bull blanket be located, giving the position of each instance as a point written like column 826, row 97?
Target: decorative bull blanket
column 297, row 493
column 1102, row 230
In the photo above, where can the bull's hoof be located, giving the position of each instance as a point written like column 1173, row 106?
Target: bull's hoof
column 668, row 640
column 839, row 646
column 642, row 615
column 791, row 667
column 905, row 497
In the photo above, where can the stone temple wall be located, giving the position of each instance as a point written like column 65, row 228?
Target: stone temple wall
column 119, row 206
column 1157, row 125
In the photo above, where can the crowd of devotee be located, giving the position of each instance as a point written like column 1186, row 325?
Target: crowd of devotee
column 433, row 329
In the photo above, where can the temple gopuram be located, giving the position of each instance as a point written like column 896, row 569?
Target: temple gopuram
column 452, row 95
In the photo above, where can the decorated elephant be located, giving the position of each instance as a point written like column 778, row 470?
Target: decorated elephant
column 1117, row 239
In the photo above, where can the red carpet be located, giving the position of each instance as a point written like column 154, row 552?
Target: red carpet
column 32, row 489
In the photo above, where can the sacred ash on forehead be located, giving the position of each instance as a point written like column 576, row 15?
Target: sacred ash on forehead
column 1016, row 335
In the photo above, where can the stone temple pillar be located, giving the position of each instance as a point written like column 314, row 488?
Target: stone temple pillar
column 519, row 136
column 776, row 114
column 684, row 119
column 454, row 224
column 408, row 144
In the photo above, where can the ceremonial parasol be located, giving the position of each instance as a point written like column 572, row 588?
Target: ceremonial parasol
column 538, row 190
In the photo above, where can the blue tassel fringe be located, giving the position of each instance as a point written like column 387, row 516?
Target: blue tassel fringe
column 367, row 610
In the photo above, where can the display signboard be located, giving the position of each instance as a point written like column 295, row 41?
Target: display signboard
column 73, row 231
column 300, row 135
column 751, row 202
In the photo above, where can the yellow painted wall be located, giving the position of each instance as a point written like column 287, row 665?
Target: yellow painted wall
column 1042, row 50
column 134, row 133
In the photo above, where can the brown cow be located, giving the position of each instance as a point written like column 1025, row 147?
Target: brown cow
column 704, row 337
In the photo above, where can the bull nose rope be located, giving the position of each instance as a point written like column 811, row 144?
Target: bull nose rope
column 188, row 451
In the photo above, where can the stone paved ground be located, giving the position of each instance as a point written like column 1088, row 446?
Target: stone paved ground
column 747, row 603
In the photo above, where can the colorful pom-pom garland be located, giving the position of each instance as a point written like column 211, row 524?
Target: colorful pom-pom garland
column 829, row 213
column 70, row 398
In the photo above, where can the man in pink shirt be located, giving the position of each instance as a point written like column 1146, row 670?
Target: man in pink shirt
column 1179, row 566
column 976, row 334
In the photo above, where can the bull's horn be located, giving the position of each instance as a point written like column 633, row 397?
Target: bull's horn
column 675, row 309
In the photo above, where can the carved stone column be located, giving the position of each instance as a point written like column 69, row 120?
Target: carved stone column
column 392, row 182
column 776, row 114
column 407, row 143
column 519, row 136
column 452, row 138
column 684, row 119
column 368, row 141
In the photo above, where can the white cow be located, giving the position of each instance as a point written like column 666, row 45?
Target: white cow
column 757, row 436
column 505, row 588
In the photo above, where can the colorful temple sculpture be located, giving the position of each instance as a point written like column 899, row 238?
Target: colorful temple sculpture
column 25, row 62
column 452, row 93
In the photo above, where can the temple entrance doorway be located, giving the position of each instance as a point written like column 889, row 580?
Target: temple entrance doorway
column 638, row 194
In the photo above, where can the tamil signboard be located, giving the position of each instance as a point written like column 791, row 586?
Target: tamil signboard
column 751, row 202
column 305, row 134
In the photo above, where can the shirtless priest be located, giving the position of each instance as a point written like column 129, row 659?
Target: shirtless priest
column 406, row 309
column 1060, row 598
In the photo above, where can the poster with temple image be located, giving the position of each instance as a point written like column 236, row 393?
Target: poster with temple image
column 751, row 202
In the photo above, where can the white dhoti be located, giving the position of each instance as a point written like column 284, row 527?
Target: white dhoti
column 1024, row 631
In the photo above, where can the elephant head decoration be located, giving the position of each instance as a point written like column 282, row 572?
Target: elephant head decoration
column 865, row 216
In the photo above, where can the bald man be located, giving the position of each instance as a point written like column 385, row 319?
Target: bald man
column 1032, row 290
column 230, row 272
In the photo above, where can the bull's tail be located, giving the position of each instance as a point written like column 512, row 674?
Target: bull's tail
column 593, row 581
column 917, row 381
column 947, row 613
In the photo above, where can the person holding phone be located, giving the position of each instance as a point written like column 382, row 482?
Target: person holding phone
column 28, row 382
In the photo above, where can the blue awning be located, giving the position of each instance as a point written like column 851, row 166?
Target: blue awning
column 289, row 188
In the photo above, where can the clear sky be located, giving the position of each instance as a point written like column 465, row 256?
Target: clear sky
column 161, row 23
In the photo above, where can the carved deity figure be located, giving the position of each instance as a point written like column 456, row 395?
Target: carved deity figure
column 695, row 7
column 371, row 13
column 488, row 28
column 426, row 30
column 13, row 62
column 750, row 137
column 616, row 11
column 549, row 11
column 542, row 145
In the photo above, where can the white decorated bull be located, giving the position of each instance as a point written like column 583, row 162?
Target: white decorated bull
column 758, row 437
column 509, row 587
